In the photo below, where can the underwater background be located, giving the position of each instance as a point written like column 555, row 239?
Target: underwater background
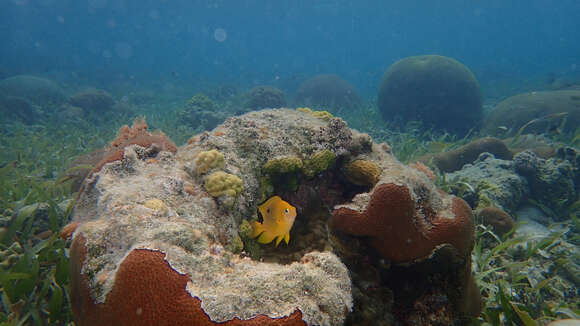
column 435, row 80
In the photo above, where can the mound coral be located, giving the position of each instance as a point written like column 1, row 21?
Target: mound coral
column 402, row 229
column 221, row 183
column 535, row 112
column 39, row 90
column 200, row 111
column 261, row 97
column 92, row 99
column 439, row 91
column 328, row 91
column 319, row 162
column 363, row 172
column 208, row 160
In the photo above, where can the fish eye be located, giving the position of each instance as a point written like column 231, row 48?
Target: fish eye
column 286, row 211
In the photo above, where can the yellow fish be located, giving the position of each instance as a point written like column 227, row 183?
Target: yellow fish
column 278, row 218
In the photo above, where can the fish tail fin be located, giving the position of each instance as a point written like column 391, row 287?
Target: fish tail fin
column 257, row 229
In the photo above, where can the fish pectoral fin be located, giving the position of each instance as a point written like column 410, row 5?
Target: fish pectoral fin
column 257, row 229
column 278, row 240
column 287, row 237
column 266, row 237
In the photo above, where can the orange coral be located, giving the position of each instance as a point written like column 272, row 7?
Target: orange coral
column 403, row 230
column 147, row 291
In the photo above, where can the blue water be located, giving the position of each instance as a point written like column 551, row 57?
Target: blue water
column 281, row 43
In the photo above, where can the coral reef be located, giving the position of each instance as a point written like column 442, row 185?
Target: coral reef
column 261, row 97
column 327, row 91
column 92, row 100
column 535, row 112
column 153, row 244
column 39, row 91
column 439, row 91
column 319, row 162
column 455, row 159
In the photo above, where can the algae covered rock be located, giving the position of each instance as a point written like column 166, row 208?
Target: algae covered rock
column 439, row 91
column 490, row 181
column 553, row 182
column 156, row 243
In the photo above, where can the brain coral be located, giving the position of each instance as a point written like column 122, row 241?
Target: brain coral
column 403, row 228
column 439, row 91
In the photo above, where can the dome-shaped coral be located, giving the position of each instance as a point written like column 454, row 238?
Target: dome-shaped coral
column 327, row 91
column 261, row 97
column 92, row 99
column 439, row 91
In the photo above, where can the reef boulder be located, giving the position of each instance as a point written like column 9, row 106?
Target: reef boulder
column 439, row 91
column 153, row 244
